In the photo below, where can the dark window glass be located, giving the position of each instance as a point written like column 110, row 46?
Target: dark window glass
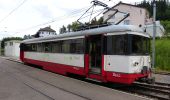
column 66, row 46
column 56, row 47
column 28, row 47
column 34, row 47
column 47, row 47
column 77, row 46
column 40, row 47
column 140, row 45
column 117, row 44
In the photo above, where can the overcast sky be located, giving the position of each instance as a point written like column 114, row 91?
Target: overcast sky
column 33, row 14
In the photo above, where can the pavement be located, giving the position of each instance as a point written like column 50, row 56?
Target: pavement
column 22, row 82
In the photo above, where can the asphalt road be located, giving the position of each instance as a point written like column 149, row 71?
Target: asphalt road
column 22, row 82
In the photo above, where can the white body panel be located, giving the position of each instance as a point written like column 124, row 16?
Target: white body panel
column 60, row 58
column 125, row 64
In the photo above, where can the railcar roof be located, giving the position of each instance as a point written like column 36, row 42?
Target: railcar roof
column 94, row 31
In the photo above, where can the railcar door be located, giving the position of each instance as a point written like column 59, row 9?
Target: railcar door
column 94, row 47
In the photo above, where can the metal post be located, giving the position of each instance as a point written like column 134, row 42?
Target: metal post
column 154, row 33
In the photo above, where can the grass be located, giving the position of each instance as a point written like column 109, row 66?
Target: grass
column 162, row 59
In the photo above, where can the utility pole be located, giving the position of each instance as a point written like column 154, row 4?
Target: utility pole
column 154, row 34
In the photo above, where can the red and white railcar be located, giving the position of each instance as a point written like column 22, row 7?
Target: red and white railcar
column 115, row 53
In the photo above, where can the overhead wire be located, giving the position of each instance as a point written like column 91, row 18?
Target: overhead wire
column 12, row 11
column 56, row 19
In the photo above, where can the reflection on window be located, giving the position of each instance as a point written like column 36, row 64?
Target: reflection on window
column 56, row 47
column 140, row 45
column 117, row 44
column 47, row 47
column 33, row 47
column 40, row 47
column 66, row 46
column 77, row 46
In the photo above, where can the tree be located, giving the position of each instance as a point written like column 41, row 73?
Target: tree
column 75, row 26
column 78, row 26
column 68, row 27
column 166, row 25
column 62, row 30
column 162, row 8
column 100, row 21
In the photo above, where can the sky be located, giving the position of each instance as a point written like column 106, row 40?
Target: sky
column 24, row 17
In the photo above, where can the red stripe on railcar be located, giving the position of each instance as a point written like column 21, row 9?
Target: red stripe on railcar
column 123, row 77
column 105, row 77
column 57, row 68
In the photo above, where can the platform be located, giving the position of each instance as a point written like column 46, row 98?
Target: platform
column 22, row 82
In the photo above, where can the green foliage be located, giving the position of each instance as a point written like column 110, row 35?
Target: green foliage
column 162, row 58
column 76, row 25
column 8, row 39
column 162, row 8
column 62, row 30
column 166, row 25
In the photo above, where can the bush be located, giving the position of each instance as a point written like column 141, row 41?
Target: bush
column 162, row 59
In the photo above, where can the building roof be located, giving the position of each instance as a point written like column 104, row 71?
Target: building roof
column 48, row 29
column 16, row 41
column 122, row 4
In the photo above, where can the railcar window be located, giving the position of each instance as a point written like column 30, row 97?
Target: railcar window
column 47, row 47
column 117, row 44
column 77, row 46
column 40, row 47
column 33, row 47
column 56, row 47
column 28, row 47
column 140, row 45
column 66, row 46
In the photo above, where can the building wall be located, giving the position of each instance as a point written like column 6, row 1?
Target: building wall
column 45, row 34
column 12, row 49
column 137, row 15
column 17, row 49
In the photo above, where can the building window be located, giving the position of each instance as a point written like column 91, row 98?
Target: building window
column 127, row 22
column 5, row 44
column 10, row 43
column 113, row 17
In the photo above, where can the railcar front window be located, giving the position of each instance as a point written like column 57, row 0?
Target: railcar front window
column 140, row 45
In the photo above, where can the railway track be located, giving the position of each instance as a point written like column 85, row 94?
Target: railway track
column 158, row 91
column 162, row 73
